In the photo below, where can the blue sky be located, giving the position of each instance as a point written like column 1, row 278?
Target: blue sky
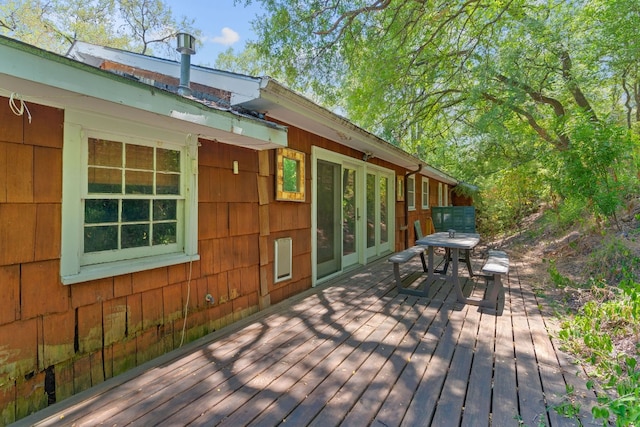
column 223, row 25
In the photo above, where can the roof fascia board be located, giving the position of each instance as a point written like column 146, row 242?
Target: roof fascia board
column 272, row 91
column 32, row 64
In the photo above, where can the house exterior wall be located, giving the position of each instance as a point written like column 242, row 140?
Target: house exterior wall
column 58, row 340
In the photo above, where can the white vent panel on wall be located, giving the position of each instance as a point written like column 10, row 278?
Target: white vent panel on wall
column 282, row 265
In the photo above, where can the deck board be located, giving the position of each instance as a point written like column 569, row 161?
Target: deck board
column 354, row 352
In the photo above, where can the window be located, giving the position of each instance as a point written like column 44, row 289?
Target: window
column 440, row 194
column 425, row 192
column 411, row 192
column 290, row 175
column 134, row 205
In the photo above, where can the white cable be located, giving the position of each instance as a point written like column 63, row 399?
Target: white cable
column 186, row 306
column 18, row 111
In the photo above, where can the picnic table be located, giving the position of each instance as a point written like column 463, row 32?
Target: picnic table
column 459, row 241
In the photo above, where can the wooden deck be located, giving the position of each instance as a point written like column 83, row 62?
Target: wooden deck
column 352, row 352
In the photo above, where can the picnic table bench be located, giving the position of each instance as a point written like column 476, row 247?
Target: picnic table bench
column 404, row 256
column 496, row 266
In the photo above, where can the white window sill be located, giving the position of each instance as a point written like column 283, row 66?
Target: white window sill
column 100, row 271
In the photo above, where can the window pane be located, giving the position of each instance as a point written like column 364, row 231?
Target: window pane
column 138, row 182
column 167, row 160
column 371, row 210
column 164, row 233
column 167, row 184
column 103, row 210
column 290, row 174
column 139, row 157
column 349, row 211
column 105, row 181
column 100, row 238
column 384, row 211
column 135, row 210
column 105, row 153
column 134, row 236
column 164, row 210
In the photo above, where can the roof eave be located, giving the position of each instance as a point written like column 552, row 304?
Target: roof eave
column 42, row 76
column 273, row 91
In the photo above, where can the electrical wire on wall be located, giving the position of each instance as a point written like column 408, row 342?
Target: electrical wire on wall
column 17, row 105
column 186, row 305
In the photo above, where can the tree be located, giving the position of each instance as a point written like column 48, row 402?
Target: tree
column 459, row 82
column 150, row 22
column 245, row 62
column 136, row 25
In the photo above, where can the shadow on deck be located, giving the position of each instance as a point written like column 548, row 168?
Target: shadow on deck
column 352, row 352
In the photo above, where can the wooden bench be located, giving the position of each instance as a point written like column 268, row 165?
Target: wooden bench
column 402, row 257
column 496, row 266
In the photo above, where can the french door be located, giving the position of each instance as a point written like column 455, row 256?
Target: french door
column 378, row 210
column 351, row 212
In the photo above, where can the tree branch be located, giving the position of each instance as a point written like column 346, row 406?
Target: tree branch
column 561, row 143
column 350, row 16
column 627, row 100
column 578, row 96
column 558, row 108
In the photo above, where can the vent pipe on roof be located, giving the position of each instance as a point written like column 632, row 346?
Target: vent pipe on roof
column 186, row 45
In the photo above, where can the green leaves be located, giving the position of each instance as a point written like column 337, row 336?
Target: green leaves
column 589, row 335
column 550, row 85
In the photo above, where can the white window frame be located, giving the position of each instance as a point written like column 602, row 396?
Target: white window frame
column 425, row 193
column 75, row 266
column 446, row 195
column 411, row 192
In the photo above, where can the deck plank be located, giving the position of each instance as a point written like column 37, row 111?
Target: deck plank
column 532, row 404
column 279, row 410
column 354, row 352
column 418, row 352
column 477, row 407
column 205, row 397
column 388, row 346
column 367, row 317
column 423, row 403
column 504, row 407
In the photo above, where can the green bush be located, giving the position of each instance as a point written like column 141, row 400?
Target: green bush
column 613, row 314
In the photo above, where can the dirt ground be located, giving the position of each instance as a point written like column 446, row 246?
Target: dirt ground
column 580, row 255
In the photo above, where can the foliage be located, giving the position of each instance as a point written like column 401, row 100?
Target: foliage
column 511, row 195
column 462, row 84
column 136, row 25
column 614, row 262
column 244, row 62
column 598, row 167
column 566, row 213
column 612, row 315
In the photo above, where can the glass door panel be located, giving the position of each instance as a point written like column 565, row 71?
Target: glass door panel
column 384, row 213
column 371, row 211
column 350, row 216
column 378, row 215
column 328, row 215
